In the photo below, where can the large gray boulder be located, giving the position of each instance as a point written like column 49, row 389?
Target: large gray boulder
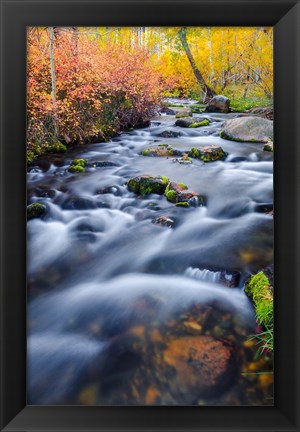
column 218, row 104
column 248, row 129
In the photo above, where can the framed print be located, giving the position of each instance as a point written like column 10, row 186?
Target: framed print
column 137, row 228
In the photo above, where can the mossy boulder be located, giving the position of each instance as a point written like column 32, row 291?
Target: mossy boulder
column 183, row 113
column 78, row 165
column 178, row 193
column 147, row 184
column 204, row 122
column 209, row 153
column 248, row 129
column 160, row 151
column 36, row 210
column 260, row 290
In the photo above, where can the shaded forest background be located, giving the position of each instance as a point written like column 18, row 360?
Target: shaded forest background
column 87, row 84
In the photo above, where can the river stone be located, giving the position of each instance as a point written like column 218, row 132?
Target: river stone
column 248, row 129
column 186, row 122
column 230, row 279
column 160, row 150
column 164, row 221
column 178, row 193
column 201, row 363
column 147, row 184
column 36, row 210
column 184, row 113
column 218, row 104
column 268, row 146
column 169, row 134
column 168, row 111
column 208, row 153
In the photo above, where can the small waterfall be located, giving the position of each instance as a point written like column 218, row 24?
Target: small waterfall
column 203, row 275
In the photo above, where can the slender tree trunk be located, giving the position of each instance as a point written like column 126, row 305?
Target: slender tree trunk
column 53, row 80
column 209, row 92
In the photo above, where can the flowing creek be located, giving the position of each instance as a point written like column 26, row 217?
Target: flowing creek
column 120, row 309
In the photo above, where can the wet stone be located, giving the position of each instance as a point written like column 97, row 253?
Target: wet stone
column 208, row 153
column 178, row 194
column 161, row 151
column 147, row 184
column 169, row 134
column 164, row 221
column 202, row 364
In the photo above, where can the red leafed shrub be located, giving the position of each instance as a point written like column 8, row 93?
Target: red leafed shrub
column 99, row 91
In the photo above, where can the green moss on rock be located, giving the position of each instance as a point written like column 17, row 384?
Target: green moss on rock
column 147, row 184
column 76, row 169
column 194, row 153
column 259, row 290
column 209, row 153
column 171, row 195
column 36, row 210
column 80, row 162
column 55, row 147
column 204, row 122
column 182, row 204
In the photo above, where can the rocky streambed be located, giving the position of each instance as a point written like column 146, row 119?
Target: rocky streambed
column 138, row 252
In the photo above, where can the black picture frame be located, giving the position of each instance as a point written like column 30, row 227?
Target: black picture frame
column 284, row 15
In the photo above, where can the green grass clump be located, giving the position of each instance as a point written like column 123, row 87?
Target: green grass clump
column 204, row 122
column 243, row 104
column 145, row 152
column 258, row 289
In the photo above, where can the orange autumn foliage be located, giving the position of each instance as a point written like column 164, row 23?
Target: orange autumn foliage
column 99, row 90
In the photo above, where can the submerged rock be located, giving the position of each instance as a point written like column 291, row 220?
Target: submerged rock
column 201, row 363
column 208, row 153
column 36, row 210
column 178, row 193
column 164, row 221
column 230, row 279
column 103, row 164
column 247, row 129
column 147, row 184
column 169, row 134
column 218, row 104
column 161, row 150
